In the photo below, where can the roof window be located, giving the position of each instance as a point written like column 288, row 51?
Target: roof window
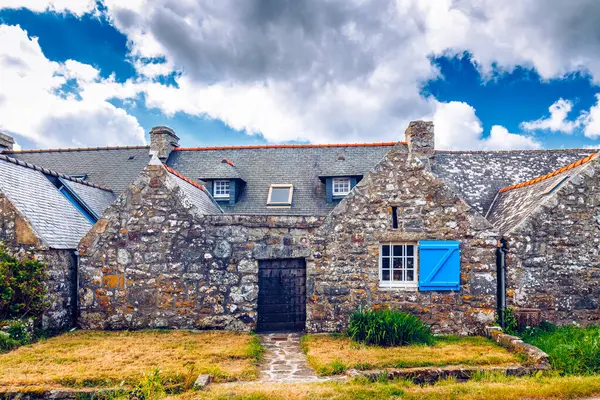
column 221, row 189
column 280, row 195
column 341, row 186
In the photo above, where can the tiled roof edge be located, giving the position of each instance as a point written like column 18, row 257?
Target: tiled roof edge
column 550, row 174
column 574, row 150
column 227, row 161
column 287, row 146
column 51, row 172
column 184, row 178
column 66, row 149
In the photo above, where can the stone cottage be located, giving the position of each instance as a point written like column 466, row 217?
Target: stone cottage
column 296, row 237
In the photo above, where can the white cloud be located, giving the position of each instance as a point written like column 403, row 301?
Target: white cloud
column 77, row 7
column 458, row 128
column 34, row 106
column 336, row 70
column 557, row 122
column 592, row 121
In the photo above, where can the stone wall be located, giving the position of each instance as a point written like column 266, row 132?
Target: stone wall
column 554, row 258
column 151, row 261
column 344, row 270
column 22, row 242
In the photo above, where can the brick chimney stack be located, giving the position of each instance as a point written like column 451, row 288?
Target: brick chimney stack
column 420, row 138
column 6, row 142
column 162, row 141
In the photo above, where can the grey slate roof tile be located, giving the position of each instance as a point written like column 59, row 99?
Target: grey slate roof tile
column 52, row 217
column 261, row 167
column 199, row 198
column 97, row 199
column 513, row 206
column 114, row 168
column 477, row 176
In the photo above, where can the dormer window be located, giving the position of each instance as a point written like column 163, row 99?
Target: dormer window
column 341, row 186
column 221, row 189
column 280, row 195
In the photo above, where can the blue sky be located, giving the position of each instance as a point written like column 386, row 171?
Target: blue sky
column 264, row 74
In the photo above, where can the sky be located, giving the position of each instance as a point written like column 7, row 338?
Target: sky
column 492, row 75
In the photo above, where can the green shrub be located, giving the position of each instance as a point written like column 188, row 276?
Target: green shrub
column 387, row 328
column 511, row 325
column 22, row 289
column 18, row 331
column 6, row 343
column 571, row 349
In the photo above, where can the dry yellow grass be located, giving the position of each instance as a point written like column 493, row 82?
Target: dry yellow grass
column 330, row 355
column 494, row 388
column 97, row 359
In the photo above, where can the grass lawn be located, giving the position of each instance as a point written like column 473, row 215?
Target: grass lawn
column 487, row 387
column 103, row 359
column 333, row 354
column 571, row 349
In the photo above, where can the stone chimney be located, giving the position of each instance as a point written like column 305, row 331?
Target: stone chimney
column 420, row 138
column 162, row 141
column 6, row 142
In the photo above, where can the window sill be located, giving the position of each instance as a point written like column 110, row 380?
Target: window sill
column 400, row 287
column 222, row 198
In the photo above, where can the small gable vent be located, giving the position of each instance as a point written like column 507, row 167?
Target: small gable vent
column 131, row 158
column 341, row 157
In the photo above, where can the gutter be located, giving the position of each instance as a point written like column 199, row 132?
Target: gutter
column 501, row 251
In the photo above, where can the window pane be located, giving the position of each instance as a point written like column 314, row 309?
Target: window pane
column 385, row 262
column 385, row 250
column 410, row 250
column 397, row 263
column 280, row 195
column 410, row 263
column 385, row 274
column 410, row 274
column 398, row 275
column 398, row 250
column 341, row 185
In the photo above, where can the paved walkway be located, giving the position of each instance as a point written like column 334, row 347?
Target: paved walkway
column 284, row 360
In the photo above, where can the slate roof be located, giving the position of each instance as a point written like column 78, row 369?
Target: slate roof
column 261, row 166
column 97, row 200
column 477, row 176
column 112, row 167
column 195, row 194
column 52, row 217
column 515, row 203
column 222, row 170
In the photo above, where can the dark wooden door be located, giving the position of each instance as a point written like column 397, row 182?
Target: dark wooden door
column 281, row 295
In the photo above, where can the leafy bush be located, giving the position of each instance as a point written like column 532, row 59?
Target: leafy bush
column 388, row 328
column 571, row 349
column 511, row 325
column 22, row 290
column 7, row 343
column 18, row 331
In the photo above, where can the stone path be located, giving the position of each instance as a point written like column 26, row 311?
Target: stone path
column 284, row 360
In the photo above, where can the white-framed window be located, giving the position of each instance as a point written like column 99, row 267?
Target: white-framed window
column 398, row 265
column 341, row 186
column 221, row 189
column 280, row 195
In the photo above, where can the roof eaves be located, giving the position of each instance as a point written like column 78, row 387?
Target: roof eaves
column 71, row 149
column 287, row 146
column 47, row 171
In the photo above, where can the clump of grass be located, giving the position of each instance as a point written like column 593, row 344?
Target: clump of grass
column 571, row 349
column 255, row 348
column 388, row 327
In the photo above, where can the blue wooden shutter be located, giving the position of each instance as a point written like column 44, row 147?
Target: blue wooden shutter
column 439, row 265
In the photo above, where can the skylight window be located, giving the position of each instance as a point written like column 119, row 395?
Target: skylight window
column 341, row 186
column 280, row 195
column 221, row 189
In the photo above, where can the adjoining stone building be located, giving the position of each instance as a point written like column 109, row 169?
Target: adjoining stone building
column 291, row 237
column 44, row 215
